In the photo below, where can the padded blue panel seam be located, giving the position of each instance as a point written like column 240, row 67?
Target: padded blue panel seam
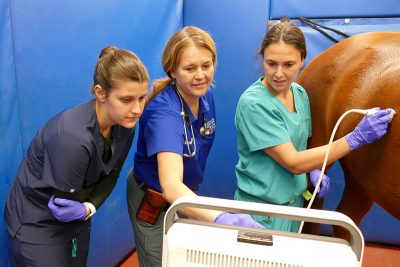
column 8, row 260
column 269, row 10
column 16, row 79
column 183, row 14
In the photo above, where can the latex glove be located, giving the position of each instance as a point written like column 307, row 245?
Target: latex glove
column 325, row 185
column 237, row 219
column 66, row 210
column 371, row 128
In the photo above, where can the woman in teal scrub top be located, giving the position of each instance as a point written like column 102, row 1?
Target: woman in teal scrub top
column 273, row 122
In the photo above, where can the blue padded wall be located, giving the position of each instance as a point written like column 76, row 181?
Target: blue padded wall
column 237, row 28
column 56, row 51
column 48, row 52
column 316, row 42
column 10, row 137
column 335, row 9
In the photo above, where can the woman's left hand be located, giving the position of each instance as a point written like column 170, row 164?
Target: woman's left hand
column 325, row 185
column 66, row 210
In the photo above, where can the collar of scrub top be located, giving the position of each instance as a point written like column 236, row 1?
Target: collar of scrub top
column 117, row 145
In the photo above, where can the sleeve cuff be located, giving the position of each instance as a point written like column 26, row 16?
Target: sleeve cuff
column 92, row 209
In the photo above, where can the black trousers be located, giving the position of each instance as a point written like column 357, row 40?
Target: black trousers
column 43, row 255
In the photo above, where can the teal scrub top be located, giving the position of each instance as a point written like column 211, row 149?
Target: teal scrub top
column 262, row 121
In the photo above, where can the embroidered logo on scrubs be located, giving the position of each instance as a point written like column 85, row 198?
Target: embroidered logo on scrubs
column 211, row 125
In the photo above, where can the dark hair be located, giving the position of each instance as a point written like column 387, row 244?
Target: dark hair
column 286, row 31
column 189, row 35
column 116, row 64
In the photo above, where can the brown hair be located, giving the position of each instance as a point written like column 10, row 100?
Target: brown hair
column 189, row 35
column 286, row 31
column 116, row 64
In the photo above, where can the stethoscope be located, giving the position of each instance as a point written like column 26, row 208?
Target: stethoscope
column 204, row 130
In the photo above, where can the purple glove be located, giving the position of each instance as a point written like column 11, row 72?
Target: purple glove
column 237, row 219
column 325, row 185
column 66, row 210
column 371, row 128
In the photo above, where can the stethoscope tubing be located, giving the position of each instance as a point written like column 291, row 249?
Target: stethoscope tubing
column 204, row 130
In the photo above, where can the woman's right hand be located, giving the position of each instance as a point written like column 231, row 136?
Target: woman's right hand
column 237, row 219
column 370, row 129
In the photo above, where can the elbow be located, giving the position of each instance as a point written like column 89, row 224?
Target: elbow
column 294, row 169
column 294, row 166
column 170, row 193
column 290, row 160
column 168, row 196
column 297, row 171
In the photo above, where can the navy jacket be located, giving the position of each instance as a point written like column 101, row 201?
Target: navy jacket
column 64, row 156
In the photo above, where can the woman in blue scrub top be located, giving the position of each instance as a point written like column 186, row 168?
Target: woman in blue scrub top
column 72, row 166
column 273, row 123
column 176, row 133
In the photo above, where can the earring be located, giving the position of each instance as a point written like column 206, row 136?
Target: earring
column 173, row 80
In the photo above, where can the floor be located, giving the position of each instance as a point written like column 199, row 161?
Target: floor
column 375, row 255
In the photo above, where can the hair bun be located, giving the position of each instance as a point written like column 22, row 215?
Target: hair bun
column 285, row 19
column 108, row 50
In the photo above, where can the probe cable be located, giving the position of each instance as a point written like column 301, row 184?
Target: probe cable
column 361, row 111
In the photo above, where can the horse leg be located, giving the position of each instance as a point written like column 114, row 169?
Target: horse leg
column 355, row 203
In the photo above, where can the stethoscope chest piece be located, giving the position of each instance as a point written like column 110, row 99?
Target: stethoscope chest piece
column 204, row 131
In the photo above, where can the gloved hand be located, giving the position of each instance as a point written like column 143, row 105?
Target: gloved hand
column 325, row 185
column 237, row 219
column 66, row 210
column 371, row 128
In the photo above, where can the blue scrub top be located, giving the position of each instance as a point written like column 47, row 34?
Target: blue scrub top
column 161, row 129
column 65, row 155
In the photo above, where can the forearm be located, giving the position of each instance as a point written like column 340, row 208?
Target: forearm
column 92, row 197
column 298, row 162
column 170, row 169
column 173, row 192
column 102, row 190
column 310, row 159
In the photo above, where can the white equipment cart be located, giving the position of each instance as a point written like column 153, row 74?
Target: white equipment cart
column 193, row 243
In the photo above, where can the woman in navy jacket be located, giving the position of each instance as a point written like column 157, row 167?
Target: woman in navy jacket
column 72, row 166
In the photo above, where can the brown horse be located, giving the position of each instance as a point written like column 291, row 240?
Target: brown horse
column 360, row 72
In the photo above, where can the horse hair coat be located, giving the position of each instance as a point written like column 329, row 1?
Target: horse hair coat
column 360, row 72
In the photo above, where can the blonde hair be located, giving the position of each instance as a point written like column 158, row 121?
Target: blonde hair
column 115, row 65
column 189, row 35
